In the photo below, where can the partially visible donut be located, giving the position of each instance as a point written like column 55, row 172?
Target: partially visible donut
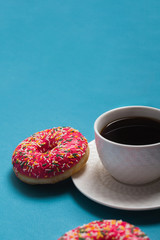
column 106, row 230
column 50, row 156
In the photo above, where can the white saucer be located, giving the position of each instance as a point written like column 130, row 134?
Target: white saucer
column 97, row 184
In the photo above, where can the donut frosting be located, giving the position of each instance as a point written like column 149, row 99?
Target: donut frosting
column 105, row 230
column 49, row 153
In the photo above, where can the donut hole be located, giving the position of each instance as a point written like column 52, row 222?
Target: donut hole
column 46, row 147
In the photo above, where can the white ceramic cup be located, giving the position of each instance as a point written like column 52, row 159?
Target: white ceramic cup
column 130, row 164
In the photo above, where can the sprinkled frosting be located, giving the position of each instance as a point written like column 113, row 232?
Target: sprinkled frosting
column 49, row 153
column 105, row 230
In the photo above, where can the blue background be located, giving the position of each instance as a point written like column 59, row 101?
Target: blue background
column 63, row 63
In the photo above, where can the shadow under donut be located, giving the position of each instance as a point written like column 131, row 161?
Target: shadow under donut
column 41, row 190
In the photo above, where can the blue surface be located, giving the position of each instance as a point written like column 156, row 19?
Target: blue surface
column 65, row 63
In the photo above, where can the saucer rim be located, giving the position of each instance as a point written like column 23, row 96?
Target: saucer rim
column 105, row 203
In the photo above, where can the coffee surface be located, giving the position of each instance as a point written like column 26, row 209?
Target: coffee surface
column 133, row 131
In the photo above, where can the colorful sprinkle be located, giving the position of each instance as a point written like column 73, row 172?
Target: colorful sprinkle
column 50, row 152
column 105, row 230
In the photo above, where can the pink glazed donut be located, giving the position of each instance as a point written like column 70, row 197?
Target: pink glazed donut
column 50, row 156
column 105, row 230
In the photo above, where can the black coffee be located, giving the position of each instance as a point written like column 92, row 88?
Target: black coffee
column 133, row 131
